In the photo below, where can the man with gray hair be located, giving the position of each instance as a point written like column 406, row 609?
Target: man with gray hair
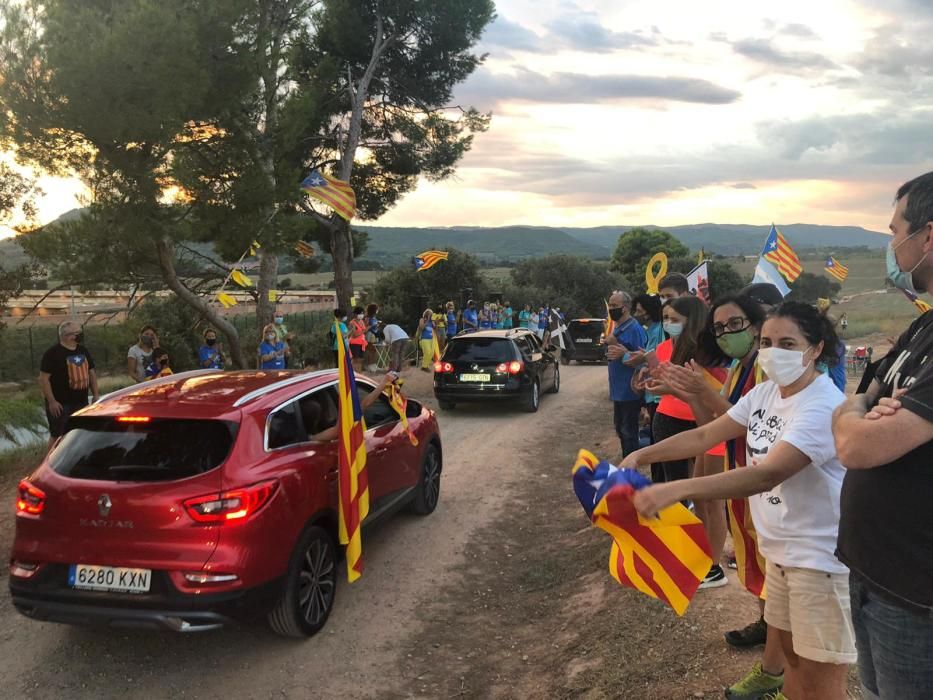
column 66, row 373
column 625, row 343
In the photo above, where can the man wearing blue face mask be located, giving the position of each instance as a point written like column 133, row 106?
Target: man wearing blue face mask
column 884, row 437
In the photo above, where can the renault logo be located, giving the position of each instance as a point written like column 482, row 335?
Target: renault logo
column 103, row 505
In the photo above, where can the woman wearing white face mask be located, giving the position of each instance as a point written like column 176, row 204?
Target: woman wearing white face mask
column 794, row 470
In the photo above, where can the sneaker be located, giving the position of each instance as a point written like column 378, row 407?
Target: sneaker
column 750, row 636
column 731, row 563
column 757, row 685
column 715, row 578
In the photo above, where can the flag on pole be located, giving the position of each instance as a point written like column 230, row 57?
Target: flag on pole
column 304, row 249
column 399, row 402
column 429, row 259
column 665, row 558
column 778, row 251
column 557, row 330
column 437, row 347
column 921, row 305
column 836, row 269
column 337, row 194
column 352, row 481
column 698, row 281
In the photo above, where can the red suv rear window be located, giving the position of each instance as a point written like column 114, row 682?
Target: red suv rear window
column 156, row 450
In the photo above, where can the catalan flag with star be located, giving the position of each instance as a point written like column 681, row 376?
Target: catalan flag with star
column 665, row 558
column 352, row 481
column 836, row 269
column 429, row 258
column 778, row 252
column 337, row 194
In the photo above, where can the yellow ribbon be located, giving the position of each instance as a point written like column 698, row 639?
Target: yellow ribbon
column 226, row 300
column 652, row 278
column 241, row 279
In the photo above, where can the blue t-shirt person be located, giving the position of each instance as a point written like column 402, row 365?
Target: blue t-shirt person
column 427, row 332
column 632, row 336
column 267, row 348
column 451, row 324
column 544, row 316
column 470, row 319
column 210, row 357
column 507, row 317
column 343, row 332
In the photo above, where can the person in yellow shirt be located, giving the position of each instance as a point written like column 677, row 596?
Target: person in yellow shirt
column 439, row 317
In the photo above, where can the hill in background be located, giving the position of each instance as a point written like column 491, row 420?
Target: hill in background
column 396, row 246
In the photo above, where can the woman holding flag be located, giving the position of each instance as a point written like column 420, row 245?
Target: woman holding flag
column 735, row 322
column 796, row 477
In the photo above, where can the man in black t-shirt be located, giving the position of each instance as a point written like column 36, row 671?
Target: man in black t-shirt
column 65, row 376
column 884, row 437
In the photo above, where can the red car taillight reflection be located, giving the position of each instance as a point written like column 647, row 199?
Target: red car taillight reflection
column 30, row 500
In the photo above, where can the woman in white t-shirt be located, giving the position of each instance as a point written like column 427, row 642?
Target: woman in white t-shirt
column 792, row 484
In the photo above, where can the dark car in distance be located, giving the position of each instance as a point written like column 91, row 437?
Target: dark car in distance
column 586, row 341
column 191, row 500
column 496, row 365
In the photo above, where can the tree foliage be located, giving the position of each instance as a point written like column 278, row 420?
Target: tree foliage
column 409, row 291
column 636, row 247
column 196, row 120
column 809, row 287
column 578, row 285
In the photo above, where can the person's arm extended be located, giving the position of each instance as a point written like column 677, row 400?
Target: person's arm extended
column 92, row 379
column 333, row 432
column 865, row 440
column 687, row 444
column 690, row 381
column 45, row 384
column 783, row 461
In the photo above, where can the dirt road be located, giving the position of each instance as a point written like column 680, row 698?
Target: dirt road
column 363, row 650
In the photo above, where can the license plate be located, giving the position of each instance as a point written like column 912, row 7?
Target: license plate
column 583, row 340
column 474, row 377
column 115, row 579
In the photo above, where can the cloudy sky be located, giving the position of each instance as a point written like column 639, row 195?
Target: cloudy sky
column 609, row 112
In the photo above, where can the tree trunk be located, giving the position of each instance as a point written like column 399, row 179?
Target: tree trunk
column 268, row 273
column 166, row 257
column 342, row 254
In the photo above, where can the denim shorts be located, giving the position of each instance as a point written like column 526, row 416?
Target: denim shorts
column 895, row 645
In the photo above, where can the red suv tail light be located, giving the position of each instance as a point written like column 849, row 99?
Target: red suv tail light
column 515, row 367
column 443, row 367
column 30, row 500
column 230, row 506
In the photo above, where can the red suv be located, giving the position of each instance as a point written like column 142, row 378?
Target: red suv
column 199, row 498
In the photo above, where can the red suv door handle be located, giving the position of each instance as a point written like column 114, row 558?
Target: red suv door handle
column 331, row 475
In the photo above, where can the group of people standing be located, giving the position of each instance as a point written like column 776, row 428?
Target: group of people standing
column 826, row 496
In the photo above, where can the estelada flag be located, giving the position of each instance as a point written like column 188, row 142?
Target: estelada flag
column 921, row 305
column 778, row 251
column 665, row 558
column 836, row 269
column 352, row 481
column 337, row 194
column 304, row 249
column 429, row 258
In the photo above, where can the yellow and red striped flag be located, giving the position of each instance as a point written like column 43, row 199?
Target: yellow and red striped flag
column 836, row 269
column 429, row 259
column 778, row 251
column 608, row 326
column 304, row 249
column 665, row 558
column 352, row 481
column 399, row 402
column 337, row 194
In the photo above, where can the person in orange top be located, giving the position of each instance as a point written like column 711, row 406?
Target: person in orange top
column 357, row 328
